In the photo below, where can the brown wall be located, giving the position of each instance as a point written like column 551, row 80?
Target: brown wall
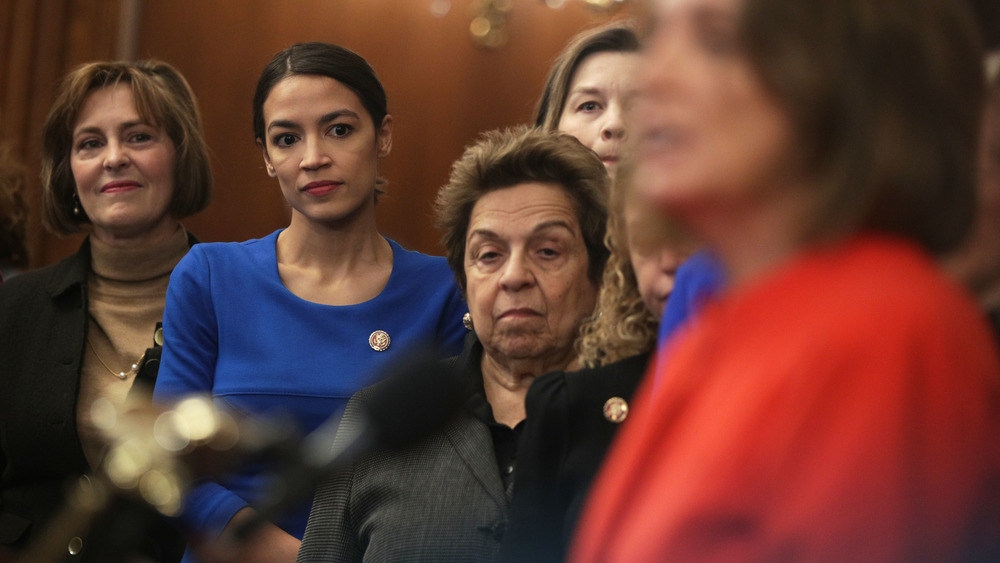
column 443, row 89
column 39, row 41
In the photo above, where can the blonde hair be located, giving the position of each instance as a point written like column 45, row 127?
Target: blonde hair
column 622, row 325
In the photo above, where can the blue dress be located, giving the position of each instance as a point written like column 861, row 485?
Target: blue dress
column 233, row 330
column 698, row 280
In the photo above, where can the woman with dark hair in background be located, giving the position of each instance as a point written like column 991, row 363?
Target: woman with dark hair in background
column 294, row 323
column 839, row 401
column 123, row 159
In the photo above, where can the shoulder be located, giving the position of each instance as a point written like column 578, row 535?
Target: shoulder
column 419, row 383
column 869, row 301
column 228, row 250
column 229, row 256
column 586, row 390
column 546, row 390
column 876, row 286
column 619, row 378
column 30, row 282
column 411, row 261
column 52, row 279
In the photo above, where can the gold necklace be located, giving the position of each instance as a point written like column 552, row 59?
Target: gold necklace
column 123, row 375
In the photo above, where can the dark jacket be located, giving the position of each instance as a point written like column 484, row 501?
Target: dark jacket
column 43, row 331
column 439, row 500
column 566, row 436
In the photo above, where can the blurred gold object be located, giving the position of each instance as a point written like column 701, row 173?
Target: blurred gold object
column 604, row 4
column 489, row 17
column 86, row 498
column 153, row 455
column 489, row 22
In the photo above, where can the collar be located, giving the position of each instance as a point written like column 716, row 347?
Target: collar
column 72, row 271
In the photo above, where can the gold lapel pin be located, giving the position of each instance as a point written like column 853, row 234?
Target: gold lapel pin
column 379, row 341
column 615, row 409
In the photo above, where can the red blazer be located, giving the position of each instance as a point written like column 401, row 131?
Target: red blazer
column 845, row 408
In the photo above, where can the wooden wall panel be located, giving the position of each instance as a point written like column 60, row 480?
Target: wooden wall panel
column 40, row 40
column 443, row 90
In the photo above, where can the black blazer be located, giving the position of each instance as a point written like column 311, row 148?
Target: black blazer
column 440, row 500
column 43, row 331
column 566, row 435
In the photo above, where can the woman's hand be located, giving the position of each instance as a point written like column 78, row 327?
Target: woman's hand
column 266, row 544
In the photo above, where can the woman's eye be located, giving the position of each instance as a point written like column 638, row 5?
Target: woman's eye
column 88, row 144
column 140, row 137
column 588, row 106
column 341, row 130
column 548, row 252
column 283, row 140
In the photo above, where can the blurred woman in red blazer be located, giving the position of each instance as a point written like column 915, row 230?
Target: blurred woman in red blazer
column 841, row 400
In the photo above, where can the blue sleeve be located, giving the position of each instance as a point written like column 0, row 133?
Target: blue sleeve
column 190, row 350
column 190, row 331
column 698, row 280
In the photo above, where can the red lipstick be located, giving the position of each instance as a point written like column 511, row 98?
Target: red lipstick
column 321, row 187
column 120, row 186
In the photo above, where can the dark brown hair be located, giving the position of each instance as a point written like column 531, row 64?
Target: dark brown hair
column 323, row 59
column 885, row 97
column 163, row 98
column 508, row 157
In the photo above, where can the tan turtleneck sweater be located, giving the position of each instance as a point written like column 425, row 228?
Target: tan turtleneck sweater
column 127, row 290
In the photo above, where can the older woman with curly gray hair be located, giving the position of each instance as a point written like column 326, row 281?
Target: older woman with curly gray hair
column 524, row 217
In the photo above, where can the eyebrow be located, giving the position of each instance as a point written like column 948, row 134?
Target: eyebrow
column 327, row 118
column 94, row 129
column 591, row 90
column 539, row 228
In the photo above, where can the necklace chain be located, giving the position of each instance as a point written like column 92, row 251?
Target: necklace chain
column 123, row 375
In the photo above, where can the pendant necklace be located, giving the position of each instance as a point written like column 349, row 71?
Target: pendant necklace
column 123, row 375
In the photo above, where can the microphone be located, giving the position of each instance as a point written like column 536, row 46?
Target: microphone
column 409, row 405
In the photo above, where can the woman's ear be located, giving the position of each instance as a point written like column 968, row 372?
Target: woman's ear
column 385, row 137
column 267, row 158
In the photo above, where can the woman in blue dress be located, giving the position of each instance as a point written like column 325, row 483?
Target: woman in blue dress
column 294, row 323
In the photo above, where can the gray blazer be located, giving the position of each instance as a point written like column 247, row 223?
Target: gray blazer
column 439, row 500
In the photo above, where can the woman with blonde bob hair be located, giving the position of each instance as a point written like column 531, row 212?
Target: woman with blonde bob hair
column 123, row 159
column 838, row 400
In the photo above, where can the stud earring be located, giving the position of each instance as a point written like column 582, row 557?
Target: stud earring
column 467, row 321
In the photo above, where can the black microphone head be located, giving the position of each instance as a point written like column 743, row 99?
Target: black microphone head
column 414, row 402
